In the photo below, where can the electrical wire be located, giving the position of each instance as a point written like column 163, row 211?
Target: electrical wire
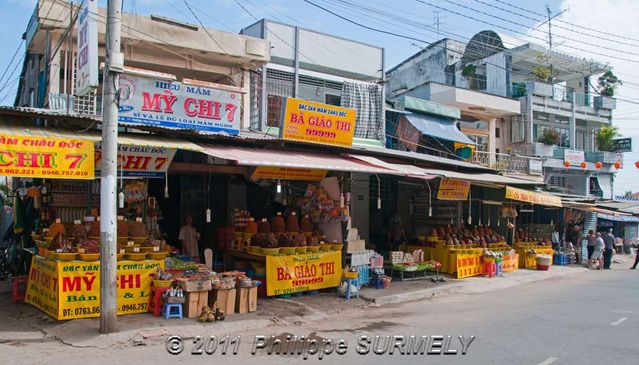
column 557, row 26
column 518, row 32
column 205, row 29
column 4, row 73
column 432, row 44
column 565, row 22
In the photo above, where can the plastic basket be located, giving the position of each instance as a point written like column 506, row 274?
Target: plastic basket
column 350, row 274
column 364, row 274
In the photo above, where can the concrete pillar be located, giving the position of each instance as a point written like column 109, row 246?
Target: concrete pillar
column 528, row 123
column 245, row 116
column 492, row 141
column 54, row 66
column 572, row 129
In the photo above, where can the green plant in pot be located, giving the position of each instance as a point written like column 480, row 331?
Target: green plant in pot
column 549, row 137
column 608, row 83
column 469, row 72
column 605, row 137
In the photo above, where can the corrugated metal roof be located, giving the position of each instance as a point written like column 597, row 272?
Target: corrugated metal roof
column 421, row 157
column 146, row 140
column 436, row 127
column 406, row 170
column 264, row 157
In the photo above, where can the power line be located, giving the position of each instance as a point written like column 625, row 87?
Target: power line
column 534, row 29
column 12, row 73
column 4, row 73
column 558, row 26
column 419, row 40
column 205, row 29
column 516, row 31
column 565, row 22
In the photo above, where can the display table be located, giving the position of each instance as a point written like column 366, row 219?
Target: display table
column 71, row 289
column 527, row 260
column 288, row 274
column 461, row 262
column 407, row 275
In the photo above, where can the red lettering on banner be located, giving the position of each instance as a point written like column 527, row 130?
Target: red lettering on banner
column 136, row 162
column 71, row 284
column 88, row 281
column 129, row 281
column 155, row 103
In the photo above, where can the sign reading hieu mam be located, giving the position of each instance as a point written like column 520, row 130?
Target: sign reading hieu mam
column 312, row 122
column 453, row 189
column 174, row 105
column 40, row 157
column 288, row 173
column 67, row 290
column 302, row 272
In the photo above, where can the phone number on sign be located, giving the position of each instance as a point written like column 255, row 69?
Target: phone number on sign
column 133, row 307
column 318, row 133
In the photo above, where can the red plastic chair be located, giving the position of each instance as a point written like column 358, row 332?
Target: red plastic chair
column 17, row 295
column 155, row 301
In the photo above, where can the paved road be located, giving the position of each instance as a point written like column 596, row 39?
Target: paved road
column 583, row 319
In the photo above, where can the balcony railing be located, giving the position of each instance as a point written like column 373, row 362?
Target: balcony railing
column 513, row 164
column 89, row 104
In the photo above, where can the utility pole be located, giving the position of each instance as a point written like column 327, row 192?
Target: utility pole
column 108, row 180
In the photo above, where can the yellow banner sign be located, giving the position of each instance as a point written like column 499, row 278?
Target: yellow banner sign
column 312, row 122
column 303, row 272
column 532, row 197
column 288, row 173
column 453, row 189
column 67, row 290
column 39, row 157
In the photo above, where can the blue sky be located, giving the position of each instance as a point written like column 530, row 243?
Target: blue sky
column 611, row 16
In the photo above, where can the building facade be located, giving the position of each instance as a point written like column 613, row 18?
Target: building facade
column 506, row 107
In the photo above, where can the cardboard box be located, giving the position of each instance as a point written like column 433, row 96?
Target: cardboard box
column 223, row 299
column 194, row 286
column 194, row 303
column 355, row 246
column 246, row 300
column 252, row 302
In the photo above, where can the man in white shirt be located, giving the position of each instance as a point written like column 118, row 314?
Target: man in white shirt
column 188, row 238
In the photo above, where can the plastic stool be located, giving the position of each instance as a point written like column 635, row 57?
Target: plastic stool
column 490, row 269
column 169, row 313
column 16, row 294
column 155, row 301
column 350, row 282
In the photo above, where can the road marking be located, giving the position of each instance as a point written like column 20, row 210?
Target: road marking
column 618, row 321
column 548, row 361
column 623, row 312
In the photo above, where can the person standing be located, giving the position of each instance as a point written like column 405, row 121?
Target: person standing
column 634, row 266
column 597, row 252
column 188, row 238
column 576, row 240
column 591, row 238
column 609, row 241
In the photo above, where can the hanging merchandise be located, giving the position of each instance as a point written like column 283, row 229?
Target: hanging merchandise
column 208, row 215
column 121, row 199
column 379, row 193
column 166, row 186
column 278, row 188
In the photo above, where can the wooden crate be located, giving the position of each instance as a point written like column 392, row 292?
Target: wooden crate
column 223, row 299
column 252, row 301
column 194, row 286
column 246, row 300
column 194, row 303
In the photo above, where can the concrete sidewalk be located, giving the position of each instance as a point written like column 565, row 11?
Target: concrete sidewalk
column 24, row 323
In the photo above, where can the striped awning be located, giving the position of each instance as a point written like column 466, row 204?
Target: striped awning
column 296, row 159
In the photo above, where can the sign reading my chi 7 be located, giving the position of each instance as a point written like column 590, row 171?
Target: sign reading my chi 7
column 68, row 290
column 532, row 197
column 46, row 157
column 302, row 272
column 174, row 105
column 453, row 189
column 312, row 122
column 139, row 161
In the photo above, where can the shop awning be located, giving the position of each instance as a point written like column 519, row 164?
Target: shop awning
column 129, row 139
column 281, row 158
column 588, row 207
column 532, row 197
column 437, row 127
column 621, row 218
column 406, row 170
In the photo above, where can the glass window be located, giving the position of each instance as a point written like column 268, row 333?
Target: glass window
column 333, row 99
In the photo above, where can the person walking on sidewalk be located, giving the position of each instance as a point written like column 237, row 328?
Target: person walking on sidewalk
column 591, row 238
column 609, row 241
column 634, row 266
column 597, row 253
